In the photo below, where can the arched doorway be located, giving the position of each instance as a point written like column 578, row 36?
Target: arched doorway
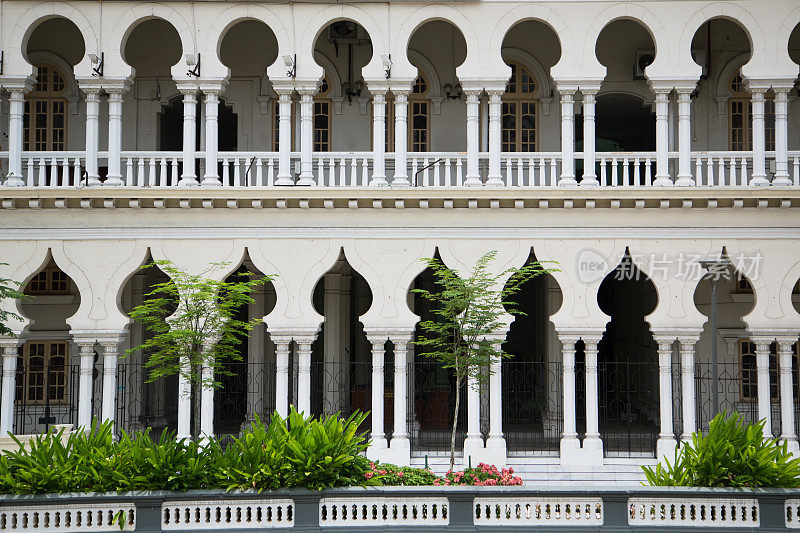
column 627, row 362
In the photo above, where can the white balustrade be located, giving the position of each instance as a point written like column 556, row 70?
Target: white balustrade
column 342, row 169
column 794, row 162
column 437, row 169
column 722, row 169
column 227, row 514
column 535, row 169
column 626, row 169
column 150, row 169
column 372, row 511
column 792, row 513
column 69, row 517
column 538, row 511
column 697, row 512
column 53, row 169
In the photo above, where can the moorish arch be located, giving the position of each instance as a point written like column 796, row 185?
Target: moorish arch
column 234, row 15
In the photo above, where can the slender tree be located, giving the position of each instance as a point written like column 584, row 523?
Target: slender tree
column 192, row 318
column 12, row 290
column 468, row 315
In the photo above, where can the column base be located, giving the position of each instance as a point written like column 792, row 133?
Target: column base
column 662, row 181
column 398, row 453
column 759, row 181
column 211, row 181
column 592, row 451
column 496, row 452
column 401, row 181
column 791, row 444
column 495, row 181
column 378, row 181
column 684, row 181
column 113, row 181
column 567, row 181
column 781, row 180
column 474, row 451
column 570, row 449
column 589, row 181
column 14, row 181
column 93, row 181
column 377, row 449
column 282, row 181
column 665, row 448
column 473, row 181
column 306, row 181
column 188, row 182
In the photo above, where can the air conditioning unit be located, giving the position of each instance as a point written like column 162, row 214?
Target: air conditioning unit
column 643, row 59
column 344, row 32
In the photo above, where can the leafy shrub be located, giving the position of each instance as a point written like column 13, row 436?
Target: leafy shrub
column 482, row 475
column 298, row 452
column 733, row 454
column 389, row 474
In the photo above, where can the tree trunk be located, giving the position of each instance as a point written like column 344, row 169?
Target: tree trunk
column 455, row 423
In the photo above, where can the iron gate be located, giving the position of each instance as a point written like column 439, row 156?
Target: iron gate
column 533, row 418
column 431, row 413
column 628, row 407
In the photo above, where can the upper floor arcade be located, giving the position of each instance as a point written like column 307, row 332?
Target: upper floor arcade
column 609, row 94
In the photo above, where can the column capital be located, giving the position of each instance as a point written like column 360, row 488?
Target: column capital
column 216, row 87
column 664, row 342
column 592, row 87
column 283, row 87
column 18, row 84
column 9, row 345
column 378, row 86
column 661, row 87
column 495, row 91
column 307, row 87
column 688, row 341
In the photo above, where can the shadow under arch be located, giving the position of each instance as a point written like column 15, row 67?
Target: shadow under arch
column 531, row 379
column 627, row 361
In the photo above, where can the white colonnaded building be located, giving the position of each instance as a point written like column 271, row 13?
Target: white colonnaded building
column 334, row 145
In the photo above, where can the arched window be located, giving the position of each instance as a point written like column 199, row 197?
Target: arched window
column 519, row 112
column 322, row 119
column 740, row 119
column 419, row 130
column 45, row 118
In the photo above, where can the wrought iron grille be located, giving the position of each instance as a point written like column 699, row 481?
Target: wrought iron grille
column 431, row 413
column 628, row 407
column 533, row 416
column 246, row 390
column 142, row 405
column 47, row 395
column 342, row 387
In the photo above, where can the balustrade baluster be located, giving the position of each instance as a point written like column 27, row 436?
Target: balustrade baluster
column 425, row 172
column 226, row 173
column 710, row 171
column 163, row 173
column 436, row 182
column 459, row 173
column 732, row 173
column 542, row 172
column 553, row 172
column 42, row 173
column 353, row 181
column 174, row 177
column 698, row 171
column 65, row 172
column 259, row 172
column 130, row 178
column 270, row 172
column 77, row 172
column 721, row 171
column 140, row 177
column 365, row 172
column 153, row 175
column 603, row 175
column 31, row 174
column 520, row 172
column 743, row 176
column 447, row 172
column 531, row 171
column 796, row 177
column 636, row 172
column 413, row 171
column 648, row 172
column 237, row 173
column 342, row 173
column 53, row 182
column 625, row 180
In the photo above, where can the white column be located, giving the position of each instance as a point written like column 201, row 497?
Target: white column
column 110, row 357
column 781, row 137
column 401, row 137
column 379, row 138
column 788, row 433
column 114, row 176
column 400, row 433
column 206, row 401
column 496, row 443
column 9, row 347
column 15, row 113
column 495, row 177
column 283, row 347
column 304, row 374
column 85, row 382
column 665, row 447
column 473, row 443
column 567, row 136
column 473, row 178
column 684, row 138
column 592, row 443
column 589, row 175
column 377, row 435
column 759, row 177
column 184, row 401
column 188, row 176
column 569, row 437
column 211, row 177
column 284, row 176
column 92, row 130
column 662, row 137
column 306, row 137
column 762, row 373
column 687, row 387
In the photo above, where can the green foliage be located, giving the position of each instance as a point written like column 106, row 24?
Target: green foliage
column 733, row 454
column 469, row 314
column 389, row 474
column 295, row 452
column 192, row 319
column 9, row 290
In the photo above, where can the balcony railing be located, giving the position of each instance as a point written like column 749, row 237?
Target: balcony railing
column 428, row 169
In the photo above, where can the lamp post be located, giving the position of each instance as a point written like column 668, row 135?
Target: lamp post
column 716, row 268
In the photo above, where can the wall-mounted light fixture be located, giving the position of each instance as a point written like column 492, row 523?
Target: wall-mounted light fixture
column 387, row 64
column 193, row 61
column 452, row 92
column 97, row 63
column 291, row 64
column 352, row 90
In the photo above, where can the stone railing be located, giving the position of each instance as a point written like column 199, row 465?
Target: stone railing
column 415, row 508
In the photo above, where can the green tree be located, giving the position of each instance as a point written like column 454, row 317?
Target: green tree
column 9, row 289
column 469, row 312
column 192, row 318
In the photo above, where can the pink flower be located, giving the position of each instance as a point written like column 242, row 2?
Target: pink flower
column 368, row 475
column 399, row 474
